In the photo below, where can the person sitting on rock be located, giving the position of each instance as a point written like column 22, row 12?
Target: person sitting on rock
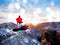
column 19, row 20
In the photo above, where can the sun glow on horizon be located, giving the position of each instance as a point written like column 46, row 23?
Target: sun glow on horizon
column 33, row 15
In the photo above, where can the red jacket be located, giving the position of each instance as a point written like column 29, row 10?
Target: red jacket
column 19, row 20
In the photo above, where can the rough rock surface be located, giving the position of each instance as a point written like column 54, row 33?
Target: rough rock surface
column 24, row 37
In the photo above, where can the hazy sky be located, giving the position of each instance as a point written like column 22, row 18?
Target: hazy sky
column 36, row 10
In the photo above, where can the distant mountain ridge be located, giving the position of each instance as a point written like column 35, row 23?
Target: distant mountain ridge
column 51, row 25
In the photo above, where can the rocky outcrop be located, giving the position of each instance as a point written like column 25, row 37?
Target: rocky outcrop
column 21, row 37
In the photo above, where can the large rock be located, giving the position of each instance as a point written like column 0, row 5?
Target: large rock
column 22, row 37
column 18, row 38
column 34, row 33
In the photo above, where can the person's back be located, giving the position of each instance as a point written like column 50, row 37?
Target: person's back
column 19, row 20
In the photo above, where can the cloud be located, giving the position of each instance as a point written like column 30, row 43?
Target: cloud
column 48, row 9
column 52, row 3
column 14, row 7
column 38, row 10
column 17, row 6
column 53, row 13
column 25, row 1
column 32, row 14
column 36, row 1
column 11, row 6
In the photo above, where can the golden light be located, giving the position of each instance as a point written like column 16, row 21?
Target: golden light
column 35, row 22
